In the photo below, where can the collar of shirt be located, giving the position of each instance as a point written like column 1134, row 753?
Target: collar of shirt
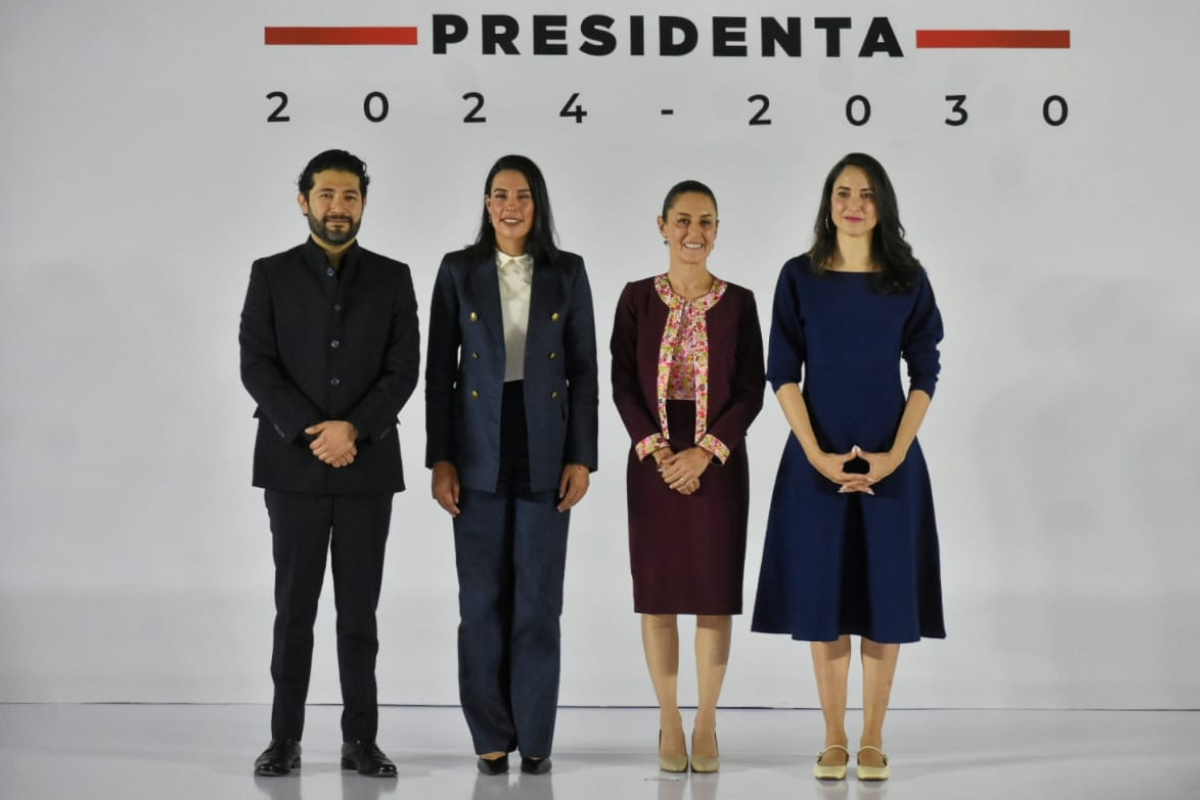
column 316, row 258
column 517, row 266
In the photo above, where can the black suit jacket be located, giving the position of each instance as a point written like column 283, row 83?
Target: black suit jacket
column 318, row 345
column 464, row 372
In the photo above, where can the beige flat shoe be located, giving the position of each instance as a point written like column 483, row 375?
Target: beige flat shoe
column 831, row 772
column 873, row 773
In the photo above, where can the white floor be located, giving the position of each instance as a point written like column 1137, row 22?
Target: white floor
column 129, row 752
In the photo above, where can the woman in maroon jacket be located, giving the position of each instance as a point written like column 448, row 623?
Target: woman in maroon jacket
column 688, row 379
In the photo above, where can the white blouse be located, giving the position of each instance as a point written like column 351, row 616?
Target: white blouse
column 516, row 284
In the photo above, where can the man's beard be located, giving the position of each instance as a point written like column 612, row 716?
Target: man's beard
column 321, row 229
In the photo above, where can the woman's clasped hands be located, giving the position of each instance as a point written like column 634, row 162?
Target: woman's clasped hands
column 682, row 471
column 879, row 466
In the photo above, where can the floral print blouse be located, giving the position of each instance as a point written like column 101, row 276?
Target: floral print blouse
column 683, row 365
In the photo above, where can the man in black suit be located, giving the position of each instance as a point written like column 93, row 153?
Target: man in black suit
column 330, row 353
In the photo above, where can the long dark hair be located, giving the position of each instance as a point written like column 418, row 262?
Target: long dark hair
column 541, row 237
column 898, row 267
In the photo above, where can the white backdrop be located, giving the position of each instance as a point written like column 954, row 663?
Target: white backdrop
column 141, row 178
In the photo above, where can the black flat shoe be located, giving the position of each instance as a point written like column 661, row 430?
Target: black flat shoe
column 493, row 766
column 367, row 759
column 280, row 758
column 535, row 766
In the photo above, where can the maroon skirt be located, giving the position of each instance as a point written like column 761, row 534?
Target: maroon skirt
column 688, row 552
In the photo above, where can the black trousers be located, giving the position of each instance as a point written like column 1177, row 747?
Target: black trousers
column 510, row 553
column 304, row 528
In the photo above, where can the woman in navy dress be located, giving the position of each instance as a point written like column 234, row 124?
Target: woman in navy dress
column 687, row 372
column 851, row 545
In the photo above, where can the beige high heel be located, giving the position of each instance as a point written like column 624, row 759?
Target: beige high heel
column 706, row 763
column 873, row 773
column 831, row 772
column 671, row 763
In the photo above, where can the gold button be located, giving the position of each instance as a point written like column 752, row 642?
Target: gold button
column 554, row 317
column 474, row 316
column 475, row 356
column 474, row 393
column 554, row 355
column 553, row 395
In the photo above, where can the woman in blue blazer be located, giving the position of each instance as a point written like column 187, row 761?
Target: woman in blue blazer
column 511, row 416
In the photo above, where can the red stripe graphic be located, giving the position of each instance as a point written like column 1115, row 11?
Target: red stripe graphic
column 1008, row 39
column 372, row 35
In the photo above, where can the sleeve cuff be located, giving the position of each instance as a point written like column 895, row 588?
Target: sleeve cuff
column 715, row 446
column 362, row 433
column 648, row 445
column 925, row 385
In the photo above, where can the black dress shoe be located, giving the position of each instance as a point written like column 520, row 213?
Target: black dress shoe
column 367, row 759
column 535, row 766
column 493, row 766
column 280, row 758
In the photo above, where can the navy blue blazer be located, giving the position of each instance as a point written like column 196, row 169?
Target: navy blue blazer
column 319, row 345
column 464, row 371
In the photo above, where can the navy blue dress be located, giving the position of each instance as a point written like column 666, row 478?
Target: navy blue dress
column 853, row 563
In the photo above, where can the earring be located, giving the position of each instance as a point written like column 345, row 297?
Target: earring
column 828, row 223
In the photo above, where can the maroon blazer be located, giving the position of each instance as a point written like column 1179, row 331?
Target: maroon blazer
column 736, row 375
